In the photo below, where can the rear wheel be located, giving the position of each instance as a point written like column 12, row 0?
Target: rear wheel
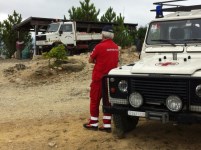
column 123, row 124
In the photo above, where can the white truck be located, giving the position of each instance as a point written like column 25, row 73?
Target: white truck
column 165, row 84
column 74, row 35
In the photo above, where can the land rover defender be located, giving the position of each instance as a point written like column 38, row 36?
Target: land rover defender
column 165, row 84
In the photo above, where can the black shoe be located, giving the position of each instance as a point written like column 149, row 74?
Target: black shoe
column 103, row 129
column 90, row 127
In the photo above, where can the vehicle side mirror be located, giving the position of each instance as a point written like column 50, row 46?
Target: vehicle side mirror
column 60, row 32
column 139, row 45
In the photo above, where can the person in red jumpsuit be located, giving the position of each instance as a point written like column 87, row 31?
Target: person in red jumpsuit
column 105, row 56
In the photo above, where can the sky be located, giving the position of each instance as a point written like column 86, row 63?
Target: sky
column 134, row 11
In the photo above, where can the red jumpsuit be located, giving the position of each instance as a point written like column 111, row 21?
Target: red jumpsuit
column 105, row 55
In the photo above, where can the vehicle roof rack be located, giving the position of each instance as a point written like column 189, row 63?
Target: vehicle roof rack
column 182, row 8
column 159, row 8
column 166, row 3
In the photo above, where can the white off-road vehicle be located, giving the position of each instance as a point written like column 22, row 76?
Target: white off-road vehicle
column 165, row 84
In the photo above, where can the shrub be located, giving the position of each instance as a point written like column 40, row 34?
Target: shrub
column 58, row 53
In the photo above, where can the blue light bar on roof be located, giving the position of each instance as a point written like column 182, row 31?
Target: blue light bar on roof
column 159, row 11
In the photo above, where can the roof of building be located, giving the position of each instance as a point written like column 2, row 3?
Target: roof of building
column 31, row 23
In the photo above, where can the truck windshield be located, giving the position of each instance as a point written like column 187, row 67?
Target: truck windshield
column 174, row 32
column 53, row 27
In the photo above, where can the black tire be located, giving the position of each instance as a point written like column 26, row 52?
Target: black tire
column 69, row 52
column 123, row 124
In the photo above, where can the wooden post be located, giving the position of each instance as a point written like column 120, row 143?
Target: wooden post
column 35, row 47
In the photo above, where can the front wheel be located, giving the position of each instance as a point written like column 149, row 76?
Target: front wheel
column 123, row 124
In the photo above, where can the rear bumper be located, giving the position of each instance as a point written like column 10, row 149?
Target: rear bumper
column 164, row 117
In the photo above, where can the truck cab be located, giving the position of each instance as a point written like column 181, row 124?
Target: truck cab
column 165, row 84
column 63, row 32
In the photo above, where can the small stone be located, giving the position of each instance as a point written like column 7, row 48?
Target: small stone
column 52, row 144
column 18, row 80
column 10, row 141
column 60, row 68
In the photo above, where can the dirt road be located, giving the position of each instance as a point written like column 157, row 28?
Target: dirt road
column 47, row 112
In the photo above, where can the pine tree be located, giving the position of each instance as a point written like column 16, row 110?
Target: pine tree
column 141, row 33
column 120, row 19
column 139, row 39
column 10, row 36
column 75, row 13
column 86, row 12
column 109, row 16
column 0, row 33
column 1, row 39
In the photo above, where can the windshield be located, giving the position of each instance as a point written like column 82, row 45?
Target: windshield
column 53, row 27
column 174, row 32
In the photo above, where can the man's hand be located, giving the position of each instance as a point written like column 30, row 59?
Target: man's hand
column 91, row 60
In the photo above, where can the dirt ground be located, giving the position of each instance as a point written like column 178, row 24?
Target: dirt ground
column 44, row 109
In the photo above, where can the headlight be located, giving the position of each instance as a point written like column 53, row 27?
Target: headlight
column 123, row 86
column 136, row 99
column 174, row 103
column 198, row 90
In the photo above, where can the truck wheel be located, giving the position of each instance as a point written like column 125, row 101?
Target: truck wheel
column 70, row 52
column 123, row 124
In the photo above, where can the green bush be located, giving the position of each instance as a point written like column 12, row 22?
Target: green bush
column 58, row 53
